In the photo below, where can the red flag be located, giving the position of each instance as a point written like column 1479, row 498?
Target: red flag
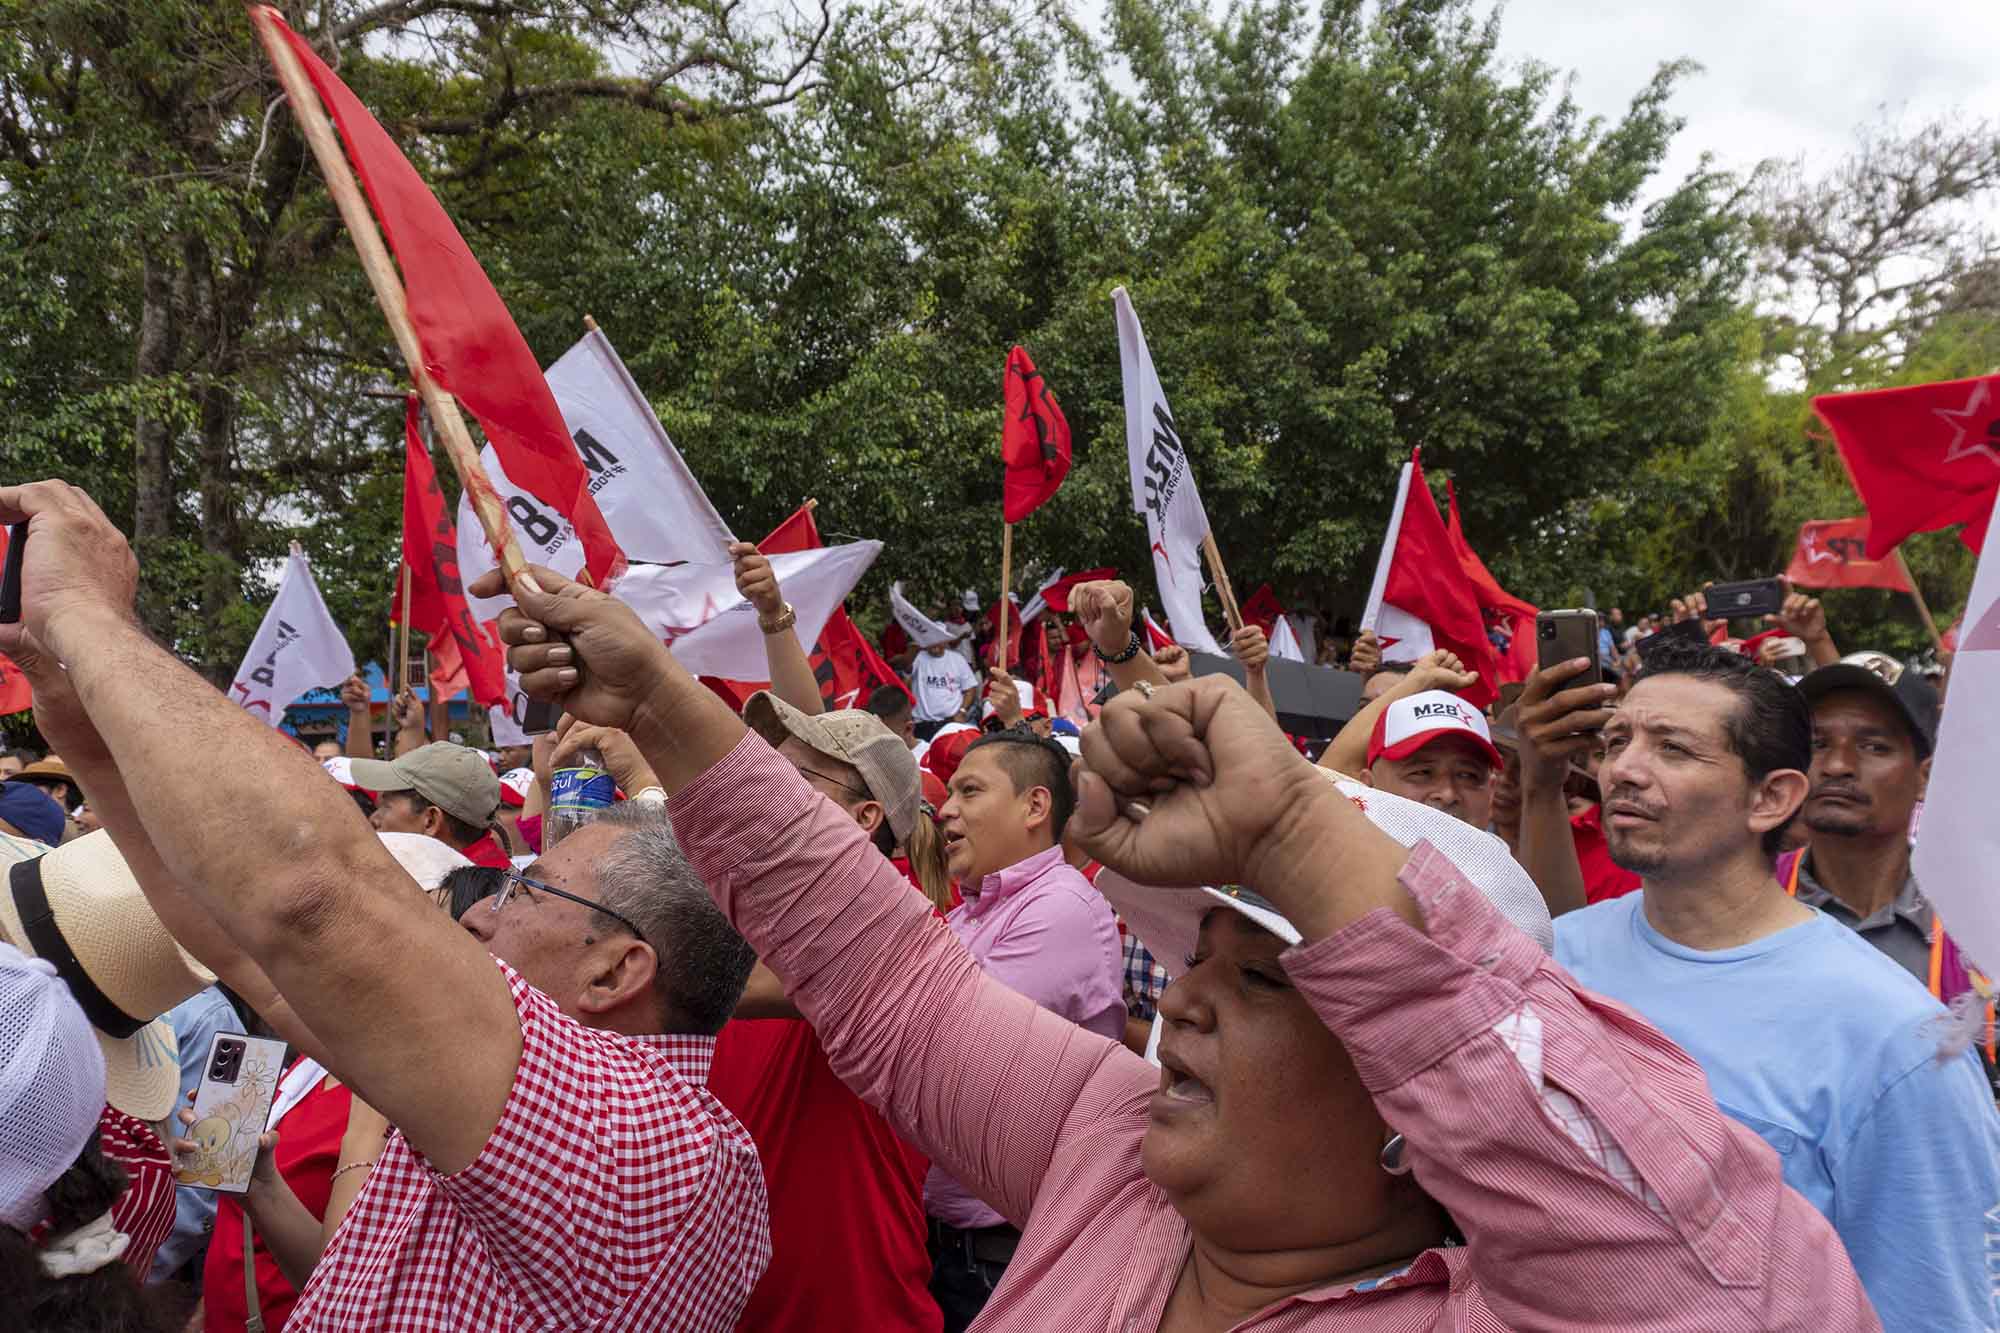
column 846, row 666
column 1921, row 458
column 1034, row 439
column 437, row 596
column 991, row 618
column 1496, row 602
column 1833, row 553
column 470, row 344
column 1056, row 595
column 1423, row 598
column 1156, row 638
column 15, row 694
column 1263, row 609
column 448, row 676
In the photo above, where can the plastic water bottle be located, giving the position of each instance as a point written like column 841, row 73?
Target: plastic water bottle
column 577, row 795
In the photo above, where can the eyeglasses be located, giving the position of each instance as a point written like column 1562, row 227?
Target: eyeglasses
column 844, row 786
column 516, row 879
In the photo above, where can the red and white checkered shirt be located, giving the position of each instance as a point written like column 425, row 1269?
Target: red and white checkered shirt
column 615, row 1193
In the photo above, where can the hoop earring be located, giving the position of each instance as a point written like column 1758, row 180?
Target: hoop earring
column 1393, row 1156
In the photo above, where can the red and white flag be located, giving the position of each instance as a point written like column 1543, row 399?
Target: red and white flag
column 1163, row 486
column 471, row 346
column 1422, row 599
column 1959, row 842
column 1156, row 638
column 297, row 648
column 1495, row 601
column 683, row 584
column 1833, row 553
column 1921, row 458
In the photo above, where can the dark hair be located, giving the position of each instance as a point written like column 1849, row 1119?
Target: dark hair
column 702, row 962
column 466, row 885
column 462, row 833
column 363, row 803
column 889, row 701
column 106, row 1301
column 1769, row 729
column 1033, row 761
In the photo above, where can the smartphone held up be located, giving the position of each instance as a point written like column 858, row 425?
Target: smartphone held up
column 1561, row 636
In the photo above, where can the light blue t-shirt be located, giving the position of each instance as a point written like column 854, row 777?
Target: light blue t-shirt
column 1828, row 1049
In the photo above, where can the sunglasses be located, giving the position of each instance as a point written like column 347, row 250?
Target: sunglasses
column 515, row 879
column 828, row 777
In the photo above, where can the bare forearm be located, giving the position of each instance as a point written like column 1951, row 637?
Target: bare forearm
column 360, row 736
column 1822, row 651
column 1258, row 684
column 289, row 1231
column 1127, row 675
column 792, row 676
column 685, row 730
column 1548, row 849
column 1347, row 752
column 1328, row 866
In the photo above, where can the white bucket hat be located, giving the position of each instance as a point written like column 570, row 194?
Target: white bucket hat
column 1168, row 920
column 79, row 907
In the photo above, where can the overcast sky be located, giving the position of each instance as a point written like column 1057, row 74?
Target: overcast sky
column 1779, row 77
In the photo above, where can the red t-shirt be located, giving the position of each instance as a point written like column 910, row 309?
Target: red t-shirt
column 488, row 852
column 846, row 1195
column 308, row 1149
column 1603, row 878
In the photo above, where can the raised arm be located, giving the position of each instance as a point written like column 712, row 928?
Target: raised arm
column 1556, row 726
column 360, row 732
column 411, row 1011
column 977, row 1075
column 1575, row 1146
column 1253, row 650
column 792, row 676
column 1105, row 609
column 1803, row 616
column 1347, row 752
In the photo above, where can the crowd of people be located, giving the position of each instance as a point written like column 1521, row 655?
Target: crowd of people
column 1615, row 1005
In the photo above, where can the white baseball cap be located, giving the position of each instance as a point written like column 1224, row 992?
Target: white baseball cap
column 1414, row 721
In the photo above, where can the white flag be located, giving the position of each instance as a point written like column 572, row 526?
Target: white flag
column 1039, row 603
column 680, row 580
column 923, row 631
column 1404, row 637
column 1958, row 843
column 297, row 648
column 1284, row 643
column 1163, row 486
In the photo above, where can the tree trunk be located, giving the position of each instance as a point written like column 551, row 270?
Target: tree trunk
column 153, row 443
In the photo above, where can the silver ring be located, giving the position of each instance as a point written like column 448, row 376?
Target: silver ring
column 1145, row 688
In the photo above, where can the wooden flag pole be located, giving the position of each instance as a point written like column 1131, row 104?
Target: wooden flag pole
column 318, row 130
column 402, row 681
column 1917, row 594
column 1006, row 582
column 1223, row 591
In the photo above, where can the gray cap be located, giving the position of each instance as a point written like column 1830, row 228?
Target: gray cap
column 855, row 737
column 456, row 780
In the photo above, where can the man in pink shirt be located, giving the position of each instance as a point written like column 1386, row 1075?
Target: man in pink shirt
column 1554, row 1161
column 1034, row 923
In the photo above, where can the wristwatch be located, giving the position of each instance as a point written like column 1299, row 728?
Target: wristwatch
column 652, row 797
column 1131, row 651
column 779, row 623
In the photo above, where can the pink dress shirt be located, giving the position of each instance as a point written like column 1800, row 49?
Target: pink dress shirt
column 1578, row 1149
column 1041, row 929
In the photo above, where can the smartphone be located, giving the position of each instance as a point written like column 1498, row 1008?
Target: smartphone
column 10, row 575
column 538, row 716
column 231, row 1106
column 1752, row 597
column 1562, row 635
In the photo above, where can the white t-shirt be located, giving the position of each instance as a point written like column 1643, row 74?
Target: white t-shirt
column 940, row 680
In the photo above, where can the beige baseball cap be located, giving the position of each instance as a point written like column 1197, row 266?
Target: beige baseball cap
column 855, row 737
column 451, row 777
column 80, row 908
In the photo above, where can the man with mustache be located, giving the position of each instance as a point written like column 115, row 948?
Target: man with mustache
column 1874, row 726
column 1808, row 1035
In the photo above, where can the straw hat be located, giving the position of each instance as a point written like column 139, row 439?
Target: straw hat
column 79, row 907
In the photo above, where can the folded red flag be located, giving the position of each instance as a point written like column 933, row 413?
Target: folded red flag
column 1495, row 602
column 470, row 344
column 1263, row 609
column 1034, row 439
column 437, row 594
column 1833, row 553
column 1921, row 458
column 1056, row 595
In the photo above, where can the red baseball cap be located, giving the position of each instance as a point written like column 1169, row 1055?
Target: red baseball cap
column 1414, row 721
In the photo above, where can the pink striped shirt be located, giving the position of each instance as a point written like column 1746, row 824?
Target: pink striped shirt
column 1578, row 1149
